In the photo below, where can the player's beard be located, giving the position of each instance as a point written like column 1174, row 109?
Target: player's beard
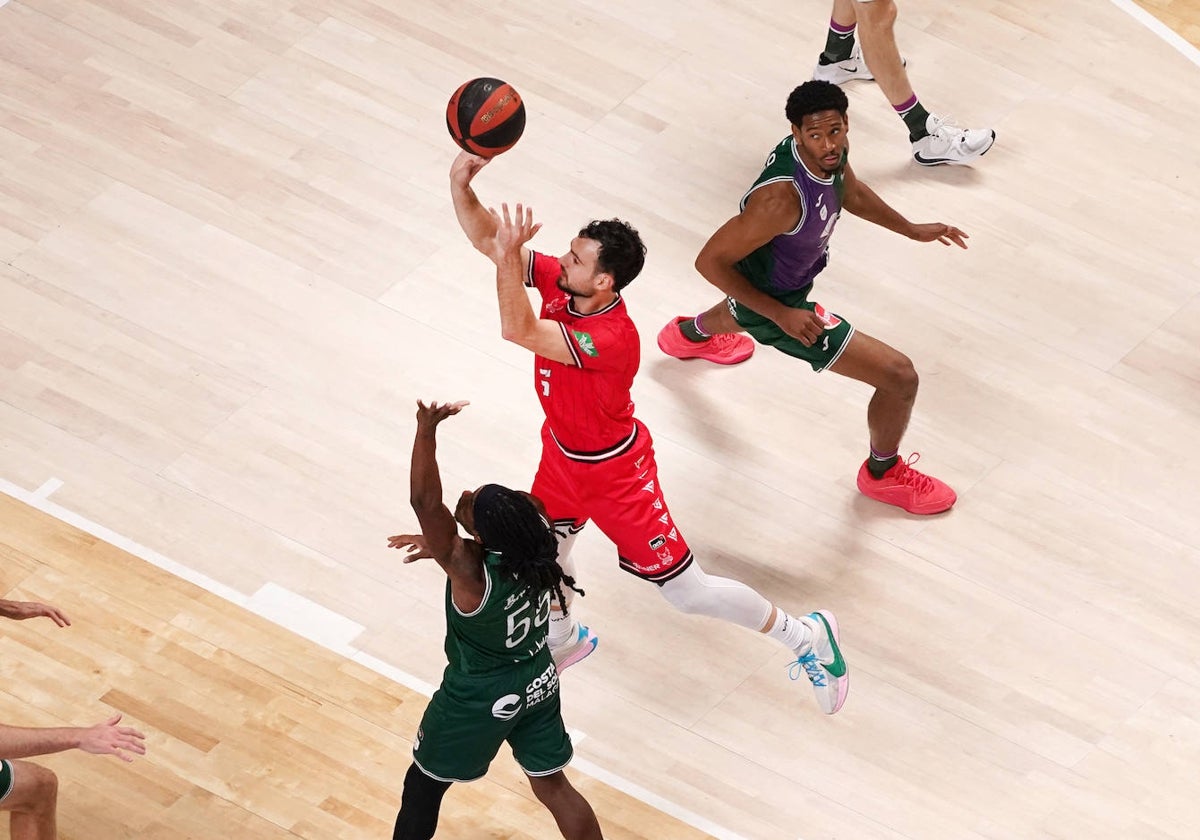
column 566, row 287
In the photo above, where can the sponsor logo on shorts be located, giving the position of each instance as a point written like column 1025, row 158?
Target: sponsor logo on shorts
column 542, row 688
column 658, row 504
column 420, row 737
column 666, row 556
column 827, row 318
column 674, row 535
column 507, row 707
column 649, row 488
column 658, row 542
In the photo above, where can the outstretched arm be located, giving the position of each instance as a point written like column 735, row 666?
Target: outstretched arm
column 439, row 537
column 477, row 222
column 863, row 202
column 102, row 739
column 425, row 484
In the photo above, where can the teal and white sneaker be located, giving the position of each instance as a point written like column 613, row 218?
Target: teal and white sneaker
column 823, row 663
column 576, row 651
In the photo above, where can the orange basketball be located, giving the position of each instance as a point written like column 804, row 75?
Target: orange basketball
column 485, row 116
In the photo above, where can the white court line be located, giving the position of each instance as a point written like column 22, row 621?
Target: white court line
column 1160, row 29
column 113, row 538
column 51, row 484
column 326, row 628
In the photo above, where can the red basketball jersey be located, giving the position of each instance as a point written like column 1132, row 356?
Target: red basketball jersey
column 587, row 403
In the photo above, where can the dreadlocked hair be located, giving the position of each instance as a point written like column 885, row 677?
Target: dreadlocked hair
column 509, row 525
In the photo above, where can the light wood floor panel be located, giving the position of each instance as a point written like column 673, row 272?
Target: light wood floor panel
column 228, row 266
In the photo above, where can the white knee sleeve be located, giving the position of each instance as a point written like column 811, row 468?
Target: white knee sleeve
column 698, row 593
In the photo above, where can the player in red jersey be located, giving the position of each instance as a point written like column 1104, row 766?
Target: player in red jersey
column 597, row 458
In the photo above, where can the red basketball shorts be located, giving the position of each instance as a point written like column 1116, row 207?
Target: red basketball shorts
column 622, row 496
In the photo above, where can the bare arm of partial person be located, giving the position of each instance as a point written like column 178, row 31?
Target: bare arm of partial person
column 21, row 610
column 102, row 739
column 863, row 202
column 771, row 210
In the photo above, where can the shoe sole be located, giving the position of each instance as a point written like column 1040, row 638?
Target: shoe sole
column 913, row 511
column 844, row 683
column 578, row 655
column 735, row 361
column 950, row 161
column 853, row 78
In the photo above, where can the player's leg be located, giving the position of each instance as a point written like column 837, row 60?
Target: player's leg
column 457, row 739
column 31, row 799
column 812, row 638
column 841, row 61
column 419, row 806
column 884, row 476
column 711, row 335
column 633, row 513
column 935, row 139
column 541, row 746
column 574, row 815
column 570, row 640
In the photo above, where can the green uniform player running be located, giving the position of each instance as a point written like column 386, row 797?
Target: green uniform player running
column 500, row 683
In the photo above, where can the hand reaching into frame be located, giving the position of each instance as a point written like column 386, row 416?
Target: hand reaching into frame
column 109, row 739
column 21, row 610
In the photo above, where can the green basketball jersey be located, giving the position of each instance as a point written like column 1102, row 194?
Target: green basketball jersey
column 508, row 627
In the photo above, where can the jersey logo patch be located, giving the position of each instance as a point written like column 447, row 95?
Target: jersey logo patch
column 658, row 542
column 586, row 344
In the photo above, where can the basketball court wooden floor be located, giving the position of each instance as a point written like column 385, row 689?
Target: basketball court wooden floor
column 228, row 266
column 253, row 730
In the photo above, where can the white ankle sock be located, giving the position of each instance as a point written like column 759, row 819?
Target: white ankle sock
column 563, row 628
column 791, row 632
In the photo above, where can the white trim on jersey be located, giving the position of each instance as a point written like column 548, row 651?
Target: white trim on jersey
column 487, row 591
column 575, row 357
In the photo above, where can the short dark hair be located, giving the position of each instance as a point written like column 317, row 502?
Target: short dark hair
column 622, row 252
column 815, row 96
